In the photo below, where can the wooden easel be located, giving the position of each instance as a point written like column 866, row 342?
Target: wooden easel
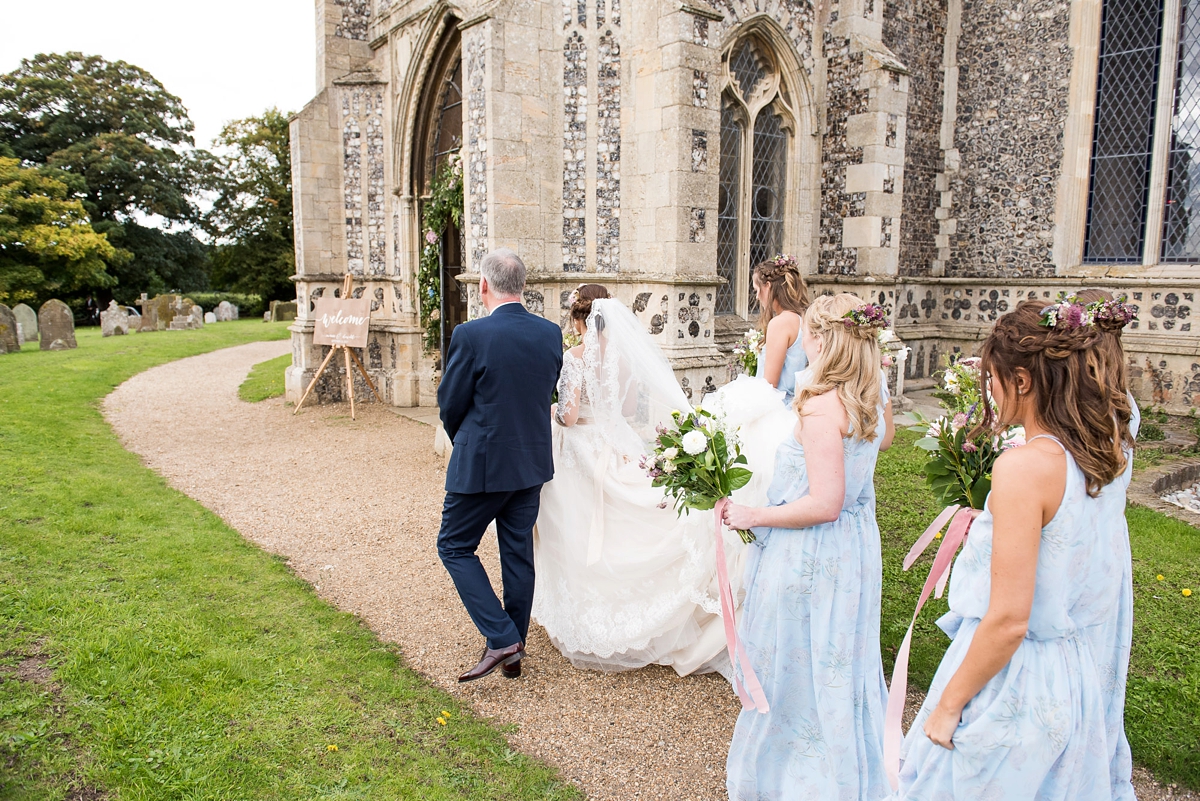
column 348, row 354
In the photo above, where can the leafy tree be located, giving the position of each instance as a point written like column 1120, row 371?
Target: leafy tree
column 46, row 242
column 123, row 145
column 251, row 219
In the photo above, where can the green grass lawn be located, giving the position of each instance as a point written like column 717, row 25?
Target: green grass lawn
column 265, row 380
column 1163, row 696
column 147, row 651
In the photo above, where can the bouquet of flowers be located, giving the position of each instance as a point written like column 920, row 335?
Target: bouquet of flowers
column 697, row 462
column 747, row 349
column 570, row 339
column 959, row 470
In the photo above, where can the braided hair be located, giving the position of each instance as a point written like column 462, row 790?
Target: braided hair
column 582, row 297
column 1066, row 370
column 786, row 288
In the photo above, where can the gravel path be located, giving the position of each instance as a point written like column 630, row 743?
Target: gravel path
column 354, row 506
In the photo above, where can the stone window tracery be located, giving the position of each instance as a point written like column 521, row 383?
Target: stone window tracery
column 1144, row 188
column 757, row 123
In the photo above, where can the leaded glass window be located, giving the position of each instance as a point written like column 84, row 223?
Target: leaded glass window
column 756, row 126
column 1144, row 193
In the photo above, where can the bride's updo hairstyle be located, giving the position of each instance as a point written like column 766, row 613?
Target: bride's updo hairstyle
column 785, row 288
column 849, row 363
column 1060, row 348
column 581, row 301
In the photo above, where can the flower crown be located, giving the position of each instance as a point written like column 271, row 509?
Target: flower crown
column 783, row 260
column 1114, row 311
column 1069, row 312
column 868, row 315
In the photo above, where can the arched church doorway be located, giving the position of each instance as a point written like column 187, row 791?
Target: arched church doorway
column 438, row 147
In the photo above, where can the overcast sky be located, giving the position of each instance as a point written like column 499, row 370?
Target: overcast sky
column 225, row 59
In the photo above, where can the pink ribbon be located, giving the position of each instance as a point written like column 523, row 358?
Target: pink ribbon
column 751, row 695
column 960, row 520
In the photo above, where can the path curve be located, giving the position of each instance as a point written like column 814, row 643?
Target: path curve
column 369, row 547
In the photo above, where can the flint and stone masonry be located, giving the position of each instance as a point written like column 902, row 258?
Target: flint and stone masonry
column 936, row 162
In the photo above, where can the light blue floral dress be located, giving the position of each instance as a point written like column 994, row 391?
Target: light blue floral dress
column 1048, row 726
column 794, row 360
column 811, row 628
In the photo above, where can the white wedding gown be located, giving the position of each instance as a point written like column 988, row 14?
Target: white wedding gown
column 623, row 582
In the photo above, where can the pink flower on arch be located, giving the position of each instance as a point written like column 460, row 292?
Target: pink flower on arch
column 431, row 237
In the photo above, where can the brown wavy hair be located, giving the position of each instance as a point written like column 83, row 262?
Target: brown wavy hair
column 785, row 287
column 585, row 294
column 1112, row 365
column 849, row 363
column 1066, row 368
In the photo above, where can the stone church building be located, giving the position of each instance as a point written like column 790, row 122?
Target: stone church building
column 947, row 158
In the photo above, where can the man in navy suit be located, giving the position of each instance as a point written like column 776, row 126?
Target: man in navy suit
column 495, row 407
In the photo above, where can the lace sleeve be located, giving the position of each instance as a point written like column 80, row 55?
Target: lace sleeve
column 570, row 385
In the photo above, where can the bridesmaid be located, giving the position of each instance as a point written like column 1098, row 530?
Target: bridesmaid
column 1020, row 706
column 783, row 298
column 814, row 575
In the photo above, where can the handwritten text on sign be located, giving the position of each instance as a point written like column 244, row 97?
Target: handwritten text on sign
column 342, row 321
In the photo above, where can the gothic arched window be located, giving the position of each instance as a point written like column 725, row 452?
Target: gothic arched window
column 756, row 125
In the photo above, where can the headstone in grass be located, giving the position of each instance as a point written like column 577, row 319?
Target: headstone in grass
column 226, row 312
column 56, row 326
column 209, row 317
column 10, row 342
column 114, row 321
column 283, row 311
column 183, row 314
column 157, row 312
column 198, row 320
column 27, row 319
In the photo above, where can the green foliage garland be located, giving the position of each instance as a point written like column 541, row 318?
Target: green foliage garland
column 445, row 207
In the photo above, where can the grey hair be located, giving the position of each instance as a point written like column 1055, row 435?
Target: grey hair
column 504, row 271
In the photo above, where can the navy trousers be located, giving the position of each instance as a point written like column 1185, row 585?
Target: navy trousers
column 465, row 518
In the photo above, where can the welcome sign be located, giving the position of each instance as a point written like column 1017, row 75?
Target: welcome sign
column 342, row 321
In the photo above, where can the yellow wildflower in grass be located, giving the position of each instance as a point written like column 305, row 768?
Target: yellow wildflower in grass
column 331, row 748
column 445, row 714
column 442, row 721
column 937, row 536
column 1186, row 592
column 1159, row 577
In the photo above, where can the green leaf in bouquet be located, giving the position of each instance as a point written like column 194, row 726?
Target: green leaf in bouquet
column 979, row 491
column 700, row 503
column 738, row 477
column 936, row 467
column 928, row 444
column 722, row 447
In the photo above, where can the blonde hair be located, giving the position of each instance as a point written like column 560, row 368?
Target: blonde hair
column 849, row 363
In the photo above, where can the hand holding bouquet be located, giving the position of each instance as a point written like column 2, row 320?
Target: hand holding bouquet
column 959, row 470
column 747, row 349
column 697, row 462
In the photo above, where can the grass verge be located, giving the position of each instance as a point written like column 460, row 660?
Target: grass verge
column 147, row 651
column 265, row 380
column 1162, row 701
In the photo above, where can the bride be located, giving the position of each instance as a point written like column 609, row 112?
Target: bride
column 622, row 581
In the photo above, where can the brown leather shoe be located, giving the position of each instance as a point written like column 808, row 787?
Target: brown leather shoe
column 493, row 659
column 512, row 671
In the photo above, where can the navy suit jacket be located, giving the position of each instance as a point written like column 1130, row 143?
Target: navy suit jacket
column 495, row 401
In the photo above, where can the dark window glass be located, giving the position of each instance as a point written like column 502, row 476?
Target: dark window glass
column 448, row 138
column 766, row 191
column 1124, row 131
column 1181, row 217
column 727, row 208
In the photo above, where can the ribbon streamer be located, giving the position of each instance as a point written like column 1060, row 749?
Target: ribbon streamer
column 960, row 519
column 751, row 695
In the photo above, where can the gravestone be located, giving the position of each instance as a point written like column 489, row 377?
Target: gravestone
column 226, row 312
column 10, row 341
column 198, row 320
column 283, row 311
column 209, row 317
column 156, row 313
column 114, row 321
column 180, row 310
column 56, row 326
column 27, row 319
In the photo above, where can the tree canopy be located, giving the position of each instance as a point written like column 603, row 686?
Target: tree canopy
column 46, row 241
column 251, row 217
